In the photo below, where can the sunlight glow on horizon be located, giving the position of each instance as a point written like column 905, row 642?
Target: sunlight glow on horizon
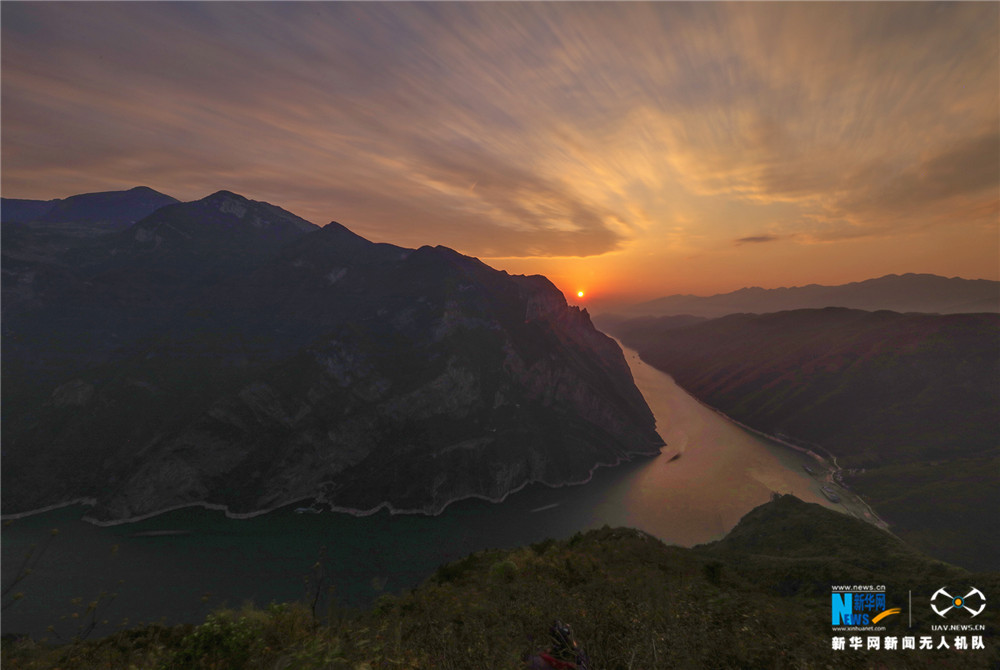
column 636, row 149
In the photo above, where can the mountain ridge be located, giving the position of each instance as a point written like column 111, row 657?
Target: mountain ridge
column 226, row 352
column 911, row 292
column 112, row 210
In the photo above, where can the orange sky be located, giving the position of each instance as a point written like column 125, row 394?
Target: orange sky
column 631, row 150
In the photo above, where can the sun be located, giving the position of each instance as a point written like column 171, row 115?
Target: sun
column 579, row 294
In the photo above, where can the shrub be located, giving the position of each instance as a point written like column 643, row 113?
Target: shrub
column 504, row 571
column 218, row 643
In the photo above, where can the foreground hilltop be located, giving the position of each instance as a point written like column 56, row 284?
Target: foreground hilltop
column 759, row 598
column 227, row 352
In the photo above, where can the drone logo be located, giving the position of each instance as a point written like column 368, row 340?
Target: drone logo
column 953, row 602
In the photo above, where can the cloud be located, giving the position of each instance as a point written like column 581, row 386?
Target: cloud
column 969, row 170
column 550, row 129
column 757, row 239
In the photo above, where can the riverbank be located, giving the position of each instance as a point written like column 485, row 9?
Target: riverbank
column 320, row 500
column 831, row 473
column 827, row 470
column 724, row 472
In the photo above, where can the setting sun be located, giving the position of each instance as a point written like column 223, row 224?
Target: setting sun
column 579, row 294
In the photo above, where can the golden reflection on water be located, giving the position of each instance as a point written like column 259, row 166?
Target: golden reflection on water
column 722, row 472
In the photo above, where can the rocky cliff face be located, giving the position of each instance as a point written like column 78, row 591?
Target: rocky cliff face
column 332, row 368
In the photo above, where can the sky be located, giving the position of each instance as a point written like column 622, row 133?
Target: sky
column 627, row 150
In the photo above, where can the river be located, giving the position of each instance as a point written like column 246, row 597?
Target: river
column 182, row 564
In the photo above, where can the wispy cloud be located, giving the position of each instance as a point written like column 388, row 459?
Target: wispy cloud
column 757, row 239
column 503, row 129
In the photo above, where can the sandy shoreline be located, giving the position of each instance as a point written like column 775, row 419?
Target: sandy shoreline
column 865, row 513
column 88, row 502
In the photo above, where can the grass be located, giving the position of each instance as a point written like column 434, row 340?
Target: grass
column 759, row 600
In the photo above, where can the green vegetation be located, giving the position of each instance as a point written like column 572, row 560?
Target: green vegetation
column 933, row 506
column 757, row 599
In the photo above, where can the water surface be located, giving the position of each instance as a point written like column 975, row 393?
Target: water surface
column 180, row 565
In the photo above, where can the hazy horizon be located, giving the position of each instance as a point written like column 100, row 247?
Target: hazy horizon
column 630, row 151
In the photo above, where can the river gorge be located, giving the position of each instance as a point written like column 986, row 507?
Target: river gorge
column 182, row 564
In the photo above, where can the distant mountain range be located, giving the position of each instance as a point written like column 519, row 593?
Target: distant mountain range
column 109, row 209
column 909, row 404
column 227, row 352
column 899, row 293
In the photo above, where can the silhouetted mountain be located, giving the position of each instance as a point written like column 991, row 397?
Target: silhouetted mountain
column 226, row 351
column 109, row 209
column 40, row 274
column 908, row 403
column 195, row 242
column 83, row 300
column 19, row 210
column 900, row 293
